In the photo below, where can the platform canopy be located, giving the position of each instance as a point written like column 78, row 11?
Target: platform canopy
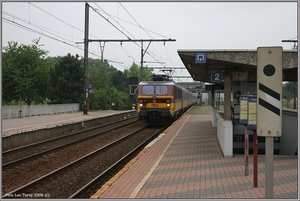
column 243, row 63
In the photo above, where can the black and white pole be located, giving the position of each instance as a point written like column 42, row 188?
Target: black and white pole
column 269, row 105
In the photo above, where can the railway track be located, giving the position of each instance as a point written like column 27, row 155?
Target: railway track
column 20, row 154
column 78, row 178
column 22, row 172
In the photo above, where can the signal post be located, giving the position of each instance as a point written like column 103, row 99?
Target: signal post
column 269, row 105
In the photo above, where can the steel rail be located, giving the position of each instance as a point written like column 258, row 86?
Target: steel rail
column 57, row 171
column 67, row 144
column 85, row 188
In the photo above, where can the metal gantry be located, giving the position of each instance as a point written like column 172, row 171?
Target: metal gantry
column 87, row 40
column 143, row 52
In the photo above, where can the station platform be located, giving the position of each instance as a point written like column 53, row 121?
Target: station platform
column 186, row 162
column 24, row 124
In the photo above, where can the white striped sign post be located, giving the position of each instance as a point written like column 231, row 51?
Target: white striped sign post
column 269, row 104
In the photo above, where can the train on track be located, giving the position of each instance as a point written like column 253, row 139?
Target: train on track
column 162, row 100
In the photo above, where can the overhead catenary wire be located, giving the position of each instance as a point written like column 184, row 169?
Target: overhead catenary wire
column 38, row 26
column 126, row 35
column 135, row 20
column 73, row 27
column 60, row 37
column 99, row 56
column 65, row 23
column 139, row 26
column 58, row 18
column 96, row 11
column 128, row 54
column 41, row 33
column 144, row 29
column 150, row 54
column 44, row 31
column 137, row 23
column 148, row 30
column 55, row 16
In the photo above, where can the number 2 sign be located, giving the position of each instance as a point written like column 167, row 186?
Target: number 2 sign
column 217, row 76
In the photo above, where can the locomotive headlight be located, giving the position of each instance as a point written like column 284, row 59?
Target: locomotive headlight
column 141, row 103
column 168, row 103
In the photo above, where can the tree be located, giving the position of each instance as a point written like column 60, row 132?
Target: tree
column 120, row 81
column 288, row 90
column 101, row 99
column 67, row 81
column 109, row 85
column 135, row 71
column 25, row 73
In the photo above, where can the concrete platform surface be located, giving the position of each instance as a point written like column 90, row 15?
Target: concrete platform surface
column 34, row 122
column 186, row 162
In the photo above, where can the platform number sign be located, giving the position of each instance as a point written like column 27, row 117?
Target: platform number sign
column 216, row 76
column 269, row 91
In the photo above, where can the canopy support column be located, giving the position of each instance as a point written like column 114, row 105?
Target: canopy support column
column 227, row 93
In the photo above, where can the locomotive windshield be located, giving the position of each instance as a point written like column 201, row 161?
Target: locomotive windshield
column 159, row 90
column 147, row 89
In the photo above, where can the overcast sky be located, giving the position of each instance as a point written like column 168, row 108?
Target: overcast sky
column 196, row 25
